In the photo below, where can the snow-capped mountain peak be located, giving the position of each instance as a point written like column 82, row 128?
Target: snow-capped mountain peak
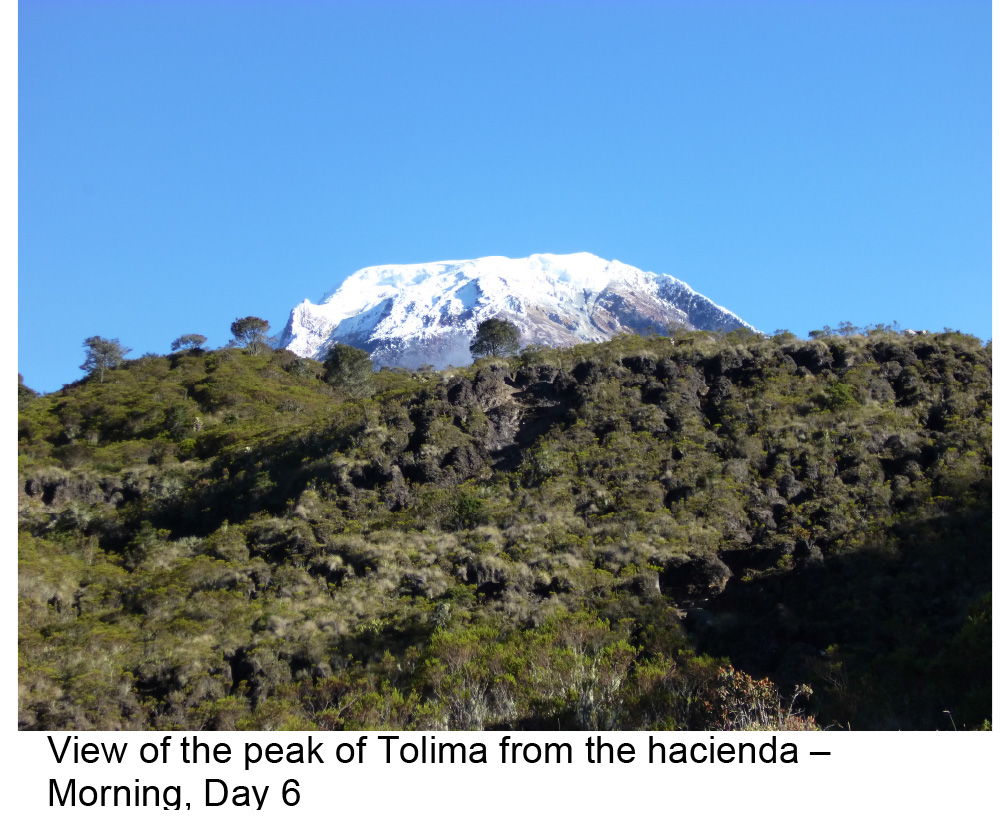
column 416, row 314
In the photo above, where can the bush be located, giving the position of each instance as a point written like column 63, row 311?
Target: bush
column 349, row 368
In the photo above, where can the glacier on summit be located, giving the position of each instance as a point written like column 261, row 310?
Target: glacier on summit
column 410, row 315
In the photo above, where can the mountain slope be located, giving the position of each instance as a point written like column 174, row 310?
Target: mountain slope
column 415, row 314
column 223, row 540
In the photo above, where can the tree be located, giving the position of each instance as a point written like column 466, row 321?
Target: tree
column 186, row 341
column 102, row 355
column 349, row 368
column 250, row 331
column 495, row 338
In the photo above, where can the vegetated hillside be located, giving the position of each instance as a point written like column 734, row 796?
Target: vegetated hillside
column 644, row 533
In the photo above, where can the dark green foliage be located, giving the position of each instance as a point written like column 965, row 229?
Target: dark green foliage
column 251, row 332
column 495, row 338
column 574, row 538
column 189, row 341
column 838, row 396
column 102, row 355
column 24, row 393
column 349, row 368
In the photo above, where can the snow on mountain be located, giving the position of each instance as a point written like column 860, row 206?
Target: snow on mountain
column 414, row 314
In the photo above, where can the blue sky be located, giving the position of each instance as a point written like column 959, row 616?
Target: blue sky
column 182, row 164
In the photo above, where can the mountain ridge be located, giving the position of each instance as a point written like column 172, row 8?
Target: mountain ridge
column 425, row 314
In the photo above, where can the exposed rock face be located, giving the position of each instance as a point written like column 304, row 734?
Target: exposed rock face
column 416, row 314
column 696, row 577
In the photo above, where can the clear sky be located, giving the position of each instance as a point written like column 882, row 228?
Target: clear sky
column 183, row 164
